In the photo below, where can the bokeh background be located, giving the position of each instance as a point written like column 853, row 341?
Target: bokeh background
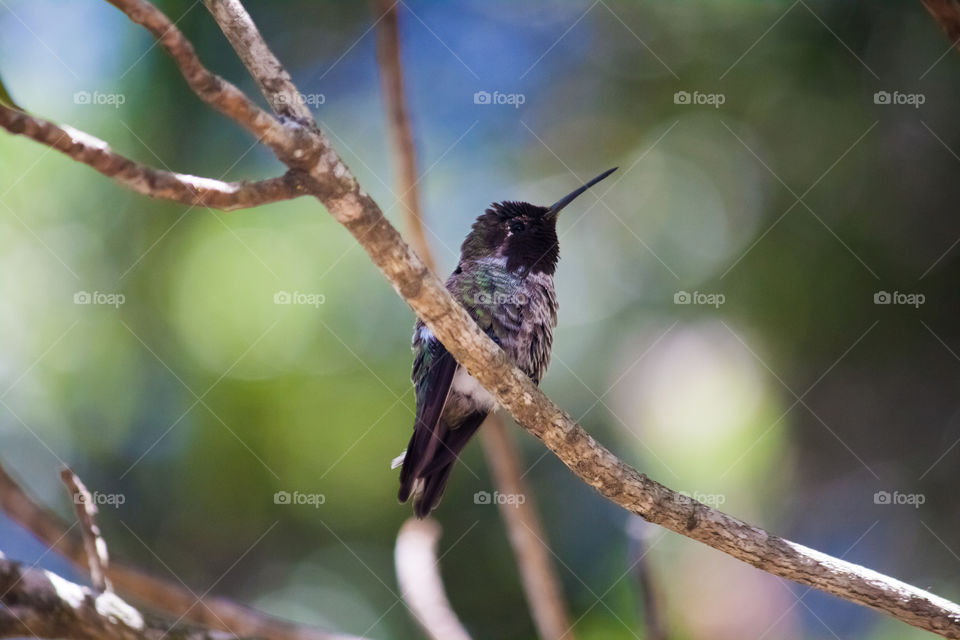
column 790, row 402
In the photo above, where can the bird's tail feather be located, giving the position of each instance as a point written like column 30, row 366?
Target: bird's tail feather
column 429, row 459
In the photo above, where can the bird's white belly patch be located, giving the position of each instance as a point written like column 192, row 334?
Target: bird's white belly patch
column 465, row 385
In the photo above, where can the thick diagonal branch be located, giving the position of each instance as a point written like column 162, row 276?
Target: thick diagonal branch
column 165, row 185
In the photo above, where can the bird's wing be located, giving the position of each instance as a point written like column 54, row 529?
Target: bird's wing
column 433, row 366
column 492, row 300
column 433, row 371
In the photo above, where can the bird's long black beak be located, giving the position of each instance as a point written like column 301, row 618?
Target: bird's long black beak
column 567, row 199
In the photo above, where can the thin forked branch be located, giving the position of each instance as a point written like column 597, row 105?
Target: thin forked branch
column 296, row 145
column 209, row 87
column 166, row 185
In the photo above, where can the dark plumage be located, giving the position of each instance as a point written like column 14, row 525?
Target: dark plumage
column 505, row 281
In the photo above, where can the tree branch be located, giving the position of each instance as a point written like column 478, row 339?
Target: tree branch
column 41, row 604
column 398, row 124
column 524, row 531
column 209, row 87
column 526, row 534
column 296, row 145
column 947, row 15
column 654, row 618
column 160, row 595
column 165, row 185
column 421, row 586
column 93, row 544
column 272, row 78
column 336, row 187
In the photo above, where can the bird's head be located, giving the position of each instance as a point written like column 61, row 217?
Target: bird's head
column 522, row 234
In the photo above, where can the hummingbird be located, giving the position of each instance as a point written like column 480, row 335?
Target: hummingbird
column 504, row 280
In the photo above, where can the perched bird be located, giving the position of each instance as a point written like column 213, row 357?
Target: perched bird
column 505, row 281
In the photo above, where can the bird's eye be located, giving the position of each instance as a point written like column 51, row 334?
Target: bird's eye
column 516, row 226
